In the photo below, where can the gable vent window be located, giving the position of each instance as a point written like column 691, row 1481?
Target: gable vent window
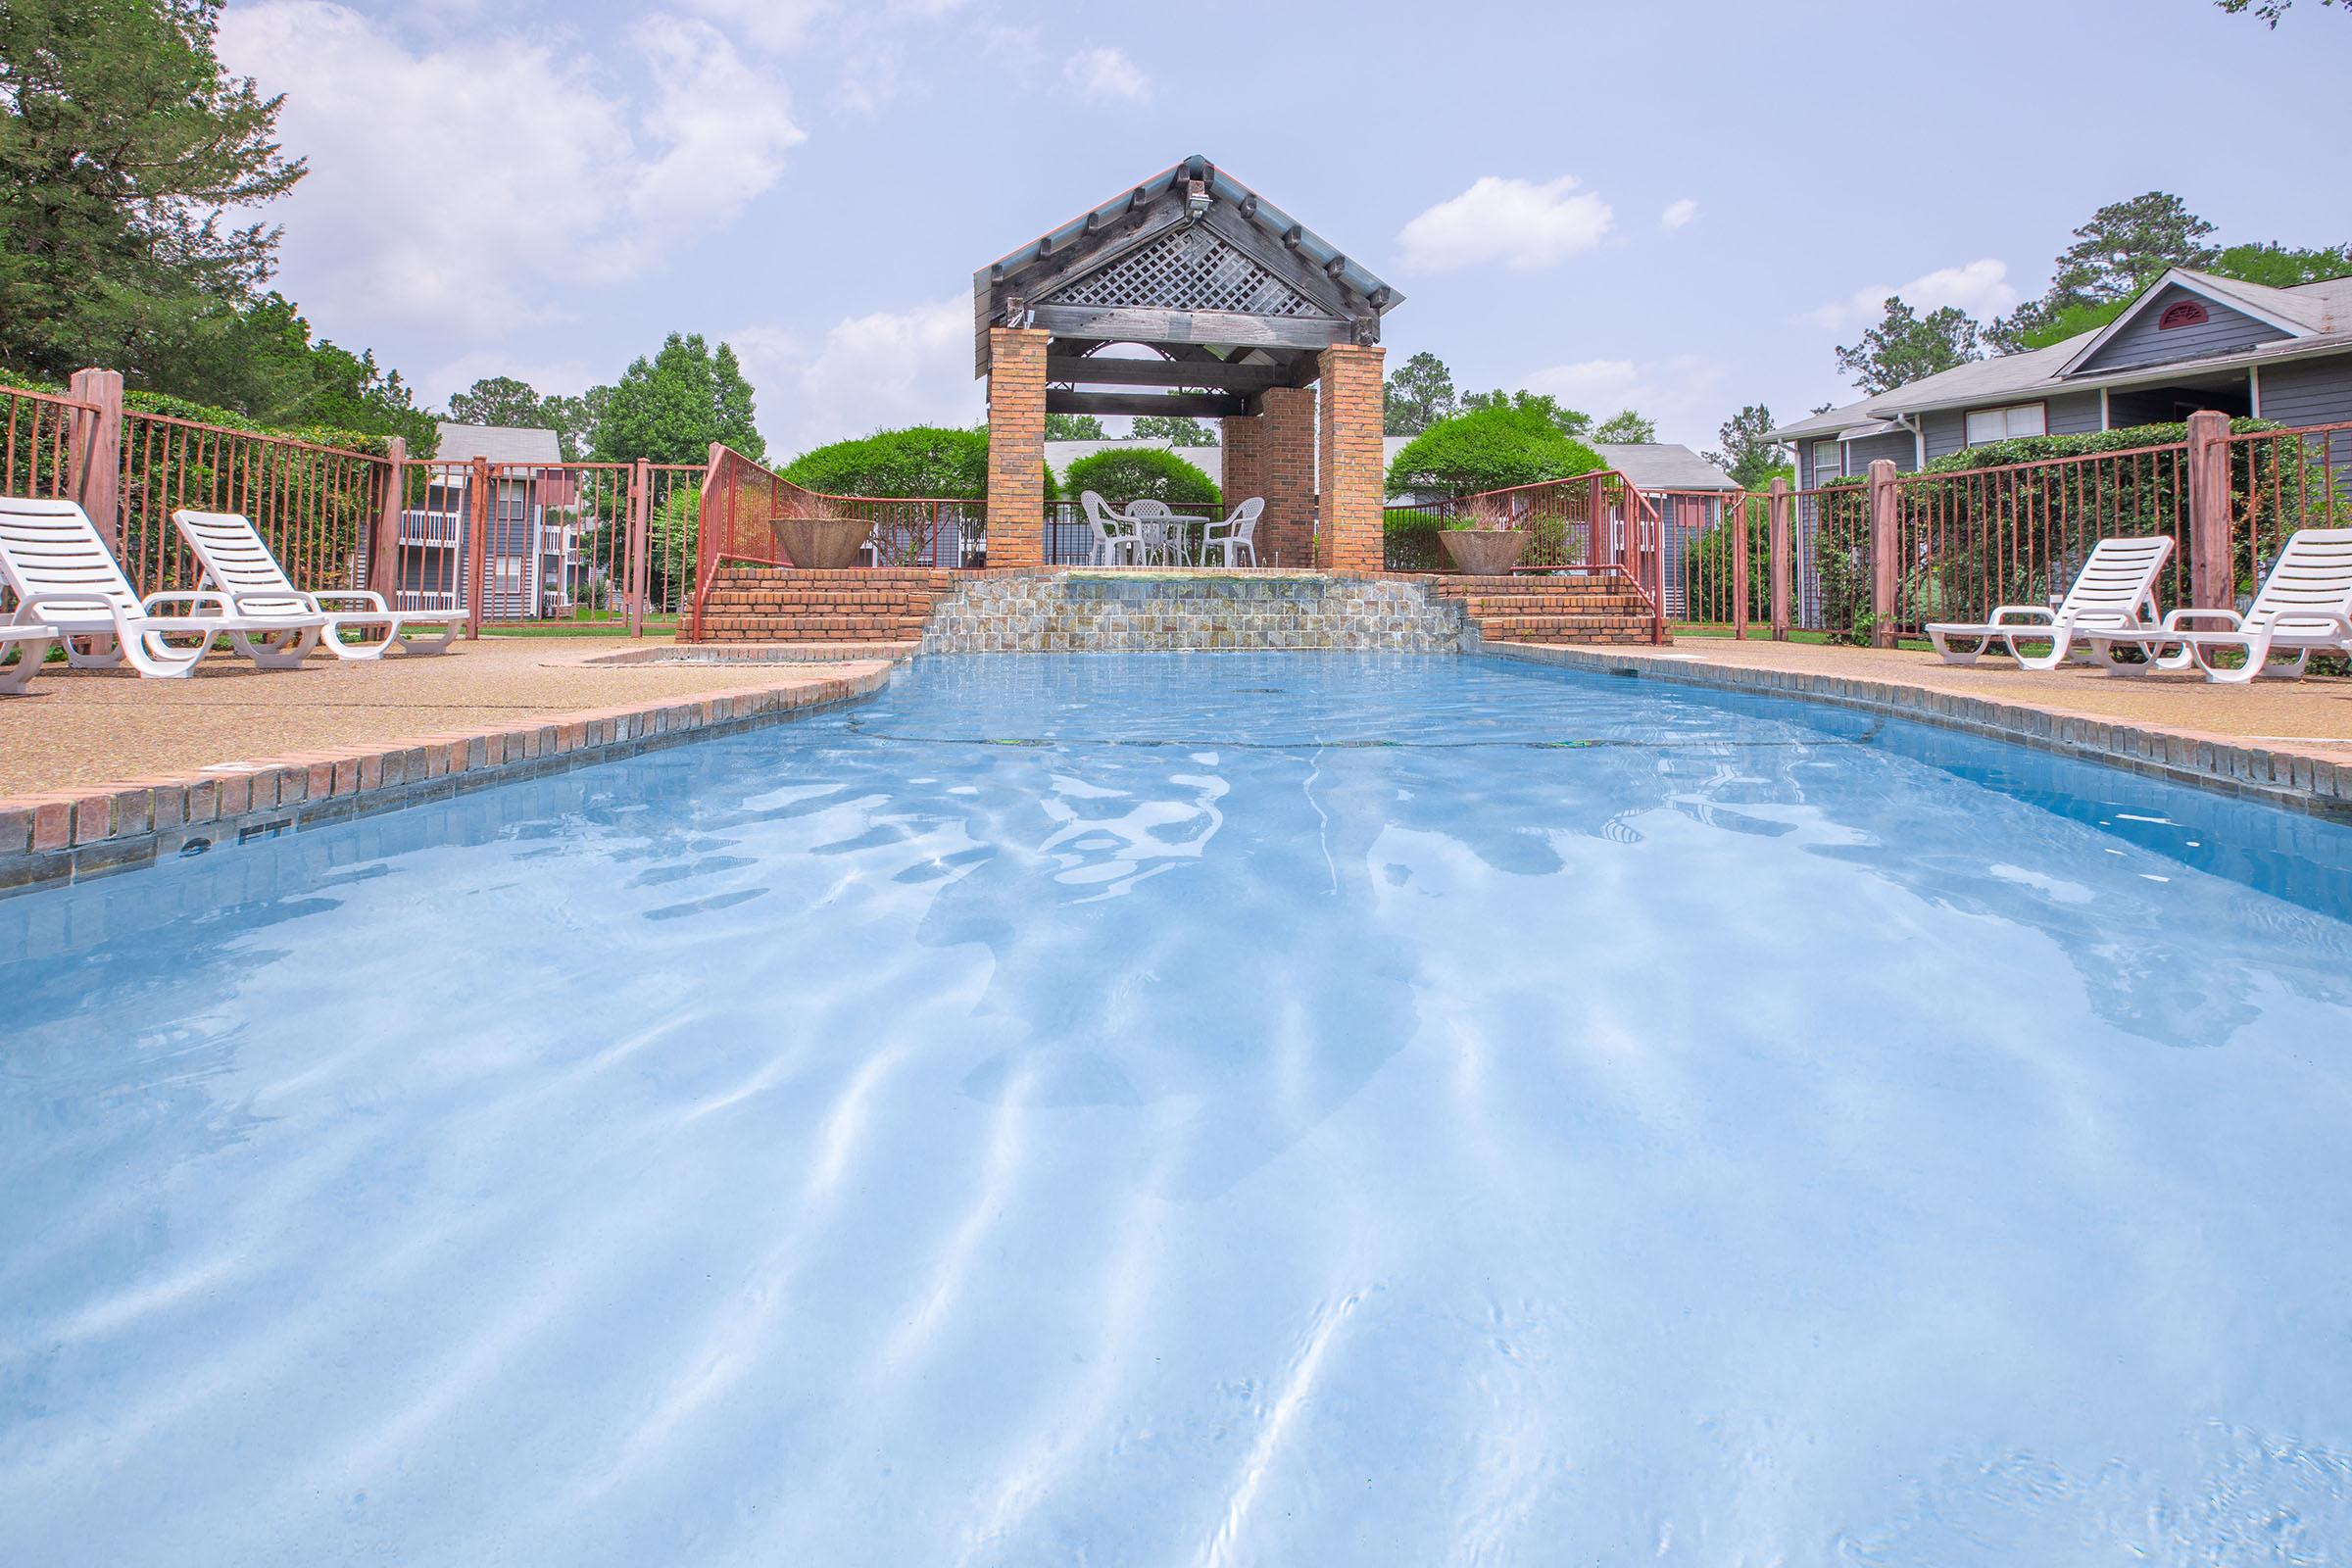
column 2006, row 424
column 2185, row 313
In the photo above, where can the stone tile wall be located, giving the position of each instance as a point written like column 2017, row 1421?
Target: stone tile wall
column 1031, row 613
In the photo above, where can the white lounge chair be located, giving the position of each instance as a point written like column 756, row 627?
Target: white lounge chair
column 65, row 578
column 31, row 643
column 1115, row 538
column 235, row 558
column 2116, row 588
column 1237, row 535
column 2305, row 607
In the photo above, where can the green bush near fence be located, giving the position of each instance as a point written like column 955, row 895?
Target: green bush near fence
column 1143, row 474
column 920, row 461
column 1408, row 540
column 1708, row 567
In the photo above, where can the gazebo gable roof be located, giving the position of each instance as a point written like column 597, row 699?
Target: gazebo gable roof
column 1190, row 256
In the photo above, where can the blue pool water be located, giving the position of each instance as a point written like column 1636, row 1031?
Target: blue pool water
column 1199, row 1111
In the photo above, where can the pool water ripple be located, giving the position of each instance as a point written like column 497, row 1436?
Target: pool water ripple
column 1276, row 1109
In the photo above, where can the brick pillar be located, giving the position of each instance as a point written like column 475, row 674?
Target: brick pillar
column 1347, row 534
column 1016, row 446
column 1286, row 534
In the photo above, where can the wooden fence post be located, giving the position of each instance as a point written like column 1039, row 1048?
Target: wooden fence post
column 641, row 486
column 94, row 452
column 1884, row 531
column 1738, row 521
column 383, row 555
column 2212, row 574
column 1778, row 532
column 477, row 539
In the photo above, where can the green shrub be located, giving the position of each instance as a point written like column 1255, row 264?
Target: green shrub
column 921, row 461
column 1410, row 540
column 1142, row 473
column 1708, row 569
column 1492, row 448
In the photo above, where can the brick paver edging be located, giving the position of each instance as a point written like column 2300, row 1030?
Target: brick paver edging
column 66, row 836
column 2226, row 765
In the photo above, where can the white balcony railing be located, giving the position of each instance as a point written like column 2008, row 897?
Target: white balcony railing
column 432, row 528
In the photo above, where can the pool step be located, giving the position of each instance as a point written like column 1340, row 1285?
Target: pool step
column 1529, row 608
column 782, row 604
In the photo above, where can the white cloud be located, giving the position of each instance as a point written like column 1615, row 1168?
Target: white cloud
column 1515, row 222
column 1679, row 212
column 1683, row 393
column 1106, row 75
column 463, row 184
column 1982, row 288
column 769, row 23
column 869, row 372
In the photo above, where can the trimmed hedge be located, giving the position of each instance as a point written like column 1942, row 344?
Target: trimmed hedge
column 1489, row 449
column 921, row 461
column 1145, row 473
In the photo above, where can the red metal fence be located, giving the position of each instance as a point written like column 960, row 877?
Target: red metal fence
column 40, row 450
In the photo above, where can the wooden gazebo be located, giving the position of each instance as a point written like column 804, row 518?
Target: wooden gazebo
column 1250, row 313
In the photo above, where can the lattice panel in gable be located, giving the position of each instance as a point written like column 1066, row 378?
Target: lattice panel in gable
column 1190, row 269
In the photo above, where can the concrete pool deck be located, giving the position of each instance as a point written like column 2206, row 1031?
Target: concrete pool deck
column 102, row 771
column 2279, row 741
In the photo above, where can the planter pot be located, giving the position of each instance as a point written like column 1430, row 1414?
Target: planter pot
column 1484, row 552
column 820, row 544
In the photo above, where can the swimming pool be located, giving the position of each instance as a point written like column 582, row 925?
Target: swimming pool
column 1197, row 1110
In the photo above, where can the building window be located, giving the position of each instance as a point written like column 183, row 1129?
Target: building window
column 2007, row 425
column 1829, row 461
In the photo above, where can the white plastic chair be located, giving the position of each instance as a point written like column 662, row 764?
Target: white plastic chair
column 1115, row 538
column 32, row 642
column 1155, row 527
column 1237, row 535
column 234, row 558
column 2305, row 607
column 2115, row 589
column 64, row 577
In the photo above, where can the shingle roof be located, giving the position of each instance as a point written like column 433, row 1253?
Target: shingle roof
column 1663, row 465
column 497, row 443
column 2319, row 313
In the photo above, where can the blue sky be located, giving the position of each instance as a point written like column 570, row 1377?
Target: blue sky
column 1684, row 206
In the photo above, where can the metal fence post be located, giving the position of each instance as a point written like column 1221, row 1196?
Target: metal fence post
column 94, row 452
column 639, row 569
column 1778, row 533
column 2212, row 574
column 1884, row 528
column 383, row 555
column 477, row 539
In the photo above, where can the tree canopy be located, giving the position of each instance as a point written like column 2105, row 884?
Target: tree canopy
column 508, row 401
column 122, row 148
column 670, row 408
column 1627, row 428
column 1177, row 429
column 1750, row 456
column 1074, row 427
column 2270, row 11
column 1906, row 346
column 1568, row 422
column 1490, row 448
column 1419, row 393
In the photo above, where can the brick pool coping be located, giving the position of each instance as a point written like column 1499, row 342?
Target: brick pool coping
column 2275, row 774
column 67, row 835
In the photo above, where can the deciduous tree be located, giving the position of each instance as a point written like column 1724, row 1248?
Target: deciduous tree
column 670, row 408
column 1420, row 393
column 1748, row 454
column 1628, row 428
column 1905, row 346
column 1176, row 429
column 1074, row 428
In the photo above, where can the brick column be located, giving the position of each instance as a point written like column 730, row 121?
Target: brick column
column 1286, row 534
column 1016, row 446
column 1347, row 534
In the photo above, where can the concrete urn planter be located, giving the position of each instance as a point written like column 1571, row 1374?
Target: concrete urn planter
column 1484, row 552
column 820, row 544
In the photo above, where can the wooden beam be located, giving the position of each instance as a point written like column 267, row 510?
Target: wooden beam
column 1166, row 372
column 1128, row 324
column 1199, row 405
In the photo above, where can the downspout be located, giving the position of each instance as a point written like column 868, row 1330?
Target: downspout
column 1919, row 439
